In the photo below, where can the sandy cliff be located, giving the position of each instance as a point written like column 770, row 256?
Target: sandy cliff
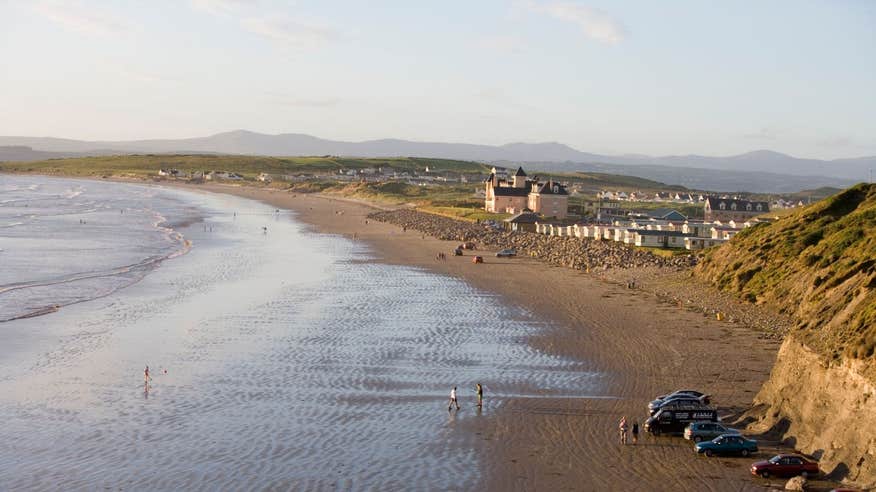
column 825, row 410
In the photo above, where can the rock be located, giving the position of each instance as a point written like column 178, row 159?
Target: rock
column 796, row 483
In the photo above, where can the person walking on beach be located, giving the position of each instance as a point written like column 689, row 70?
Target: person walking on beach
column 622, row 426
column 635, row 432
column 453, row 400
column 480, row 390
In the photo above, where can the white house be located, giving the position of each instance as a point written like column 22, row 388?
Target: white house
column 697, row 243
column 725, row 233
column 660, row 239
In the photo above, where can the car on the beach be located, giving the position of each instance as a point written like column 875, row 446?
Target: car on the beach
column 727, row 444
column 693, row 393
column 667, row 421
column 785, row 465
column 506, row 253
column 706, row 431
column 675, row 402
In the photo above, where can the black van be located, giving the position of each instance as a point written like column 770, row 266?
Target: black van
column 673, row 421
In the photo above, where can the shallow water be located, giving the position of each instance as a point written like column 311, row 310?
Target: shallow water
column 69, row 241
column 293, row 361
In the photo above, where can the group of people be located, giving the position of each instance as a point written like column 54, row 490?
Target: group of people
column 441, row 257
column 624, row 427
column 454, row 401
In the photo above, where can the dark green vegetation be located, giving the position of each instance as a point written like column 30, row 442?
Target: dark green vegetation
column 818, row 264
column 248, row 166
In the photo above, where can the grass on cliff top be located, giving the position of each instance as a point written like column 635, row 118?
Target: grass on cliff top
column 818, row 264
column 248, row 166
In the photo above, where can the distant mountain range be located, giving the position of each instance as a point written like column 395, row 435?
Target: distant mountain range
column 761, row 170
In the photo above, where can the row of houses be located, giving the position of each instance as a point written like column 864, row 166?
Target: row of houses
column 205, row 175
column 659, row 196
column 688, row 234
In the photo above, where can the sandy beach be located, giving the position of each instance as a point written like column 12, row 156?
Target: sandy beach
column 644, row 346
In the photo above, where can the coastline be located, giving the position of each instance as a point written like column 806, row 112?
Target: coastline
column 643, row 347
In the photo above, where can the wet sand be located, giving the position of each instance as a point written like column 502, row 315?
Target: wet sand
column 644, row 347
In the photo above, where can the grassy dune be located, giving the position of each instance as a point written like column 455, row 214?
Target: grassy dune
column 818, row 264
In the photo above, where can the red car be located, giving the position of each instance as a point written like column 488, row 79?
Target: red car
column 785, row 465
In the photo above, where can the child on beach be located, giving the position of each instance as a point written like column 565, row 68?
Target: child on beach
column 453, row 399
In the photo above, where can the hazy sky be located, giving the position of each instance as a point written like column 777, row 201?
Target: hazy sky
column 655, row 77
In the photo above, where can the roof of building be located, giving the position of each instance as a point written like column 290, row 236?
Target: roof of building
column 666, row 214
column 509, row 191
column 520, row 172
column 550, row 188
column 714, row 203
column 524, row 218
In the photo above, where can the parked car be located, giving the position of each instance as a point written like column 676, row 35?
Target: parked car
column 706, row 431
column 678, row 402
column 457, row 252
column 506, row 253
column 694, row 393
column 667, row 421
column 727, row 444
column 656, row 404
column 477, row 259
column 467, row 245
column 785, row 465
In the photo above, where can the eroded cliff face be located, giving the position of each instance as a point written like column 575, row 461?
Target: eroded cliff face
column 825, row 410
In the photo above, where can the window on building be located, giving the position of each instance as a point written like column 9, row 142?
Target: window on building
column 748, row 207
column 722, row 206
column 732, row 206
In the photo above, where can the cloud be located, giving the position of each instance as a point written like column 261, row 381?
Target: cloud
column 310, row 103
column 503, row 44
column 150, row 78
column 299, row 35
column 75, row 17
column 765, row 133
column 221, row 7
column 596, row 24
column 499, row 97
column 834, row 142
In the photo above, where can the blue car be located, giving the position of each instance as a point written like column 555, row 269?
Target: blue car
column 727, row 444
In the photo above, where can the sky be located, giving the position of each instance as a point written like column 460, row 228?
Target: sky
column 666, row 77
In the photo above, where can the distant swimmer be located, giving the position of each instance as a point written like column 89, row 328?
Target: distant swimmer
column 264, row 229
column 453, row 400
column 146, row 378
column 480, row 390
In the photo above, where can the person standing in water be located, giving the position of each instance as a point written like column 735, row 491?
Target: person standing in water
column 453, row 400
column 480, row 395
column 146, row 377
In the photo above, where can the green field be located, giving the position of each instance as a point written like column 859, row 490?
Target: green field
column 248, row 166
